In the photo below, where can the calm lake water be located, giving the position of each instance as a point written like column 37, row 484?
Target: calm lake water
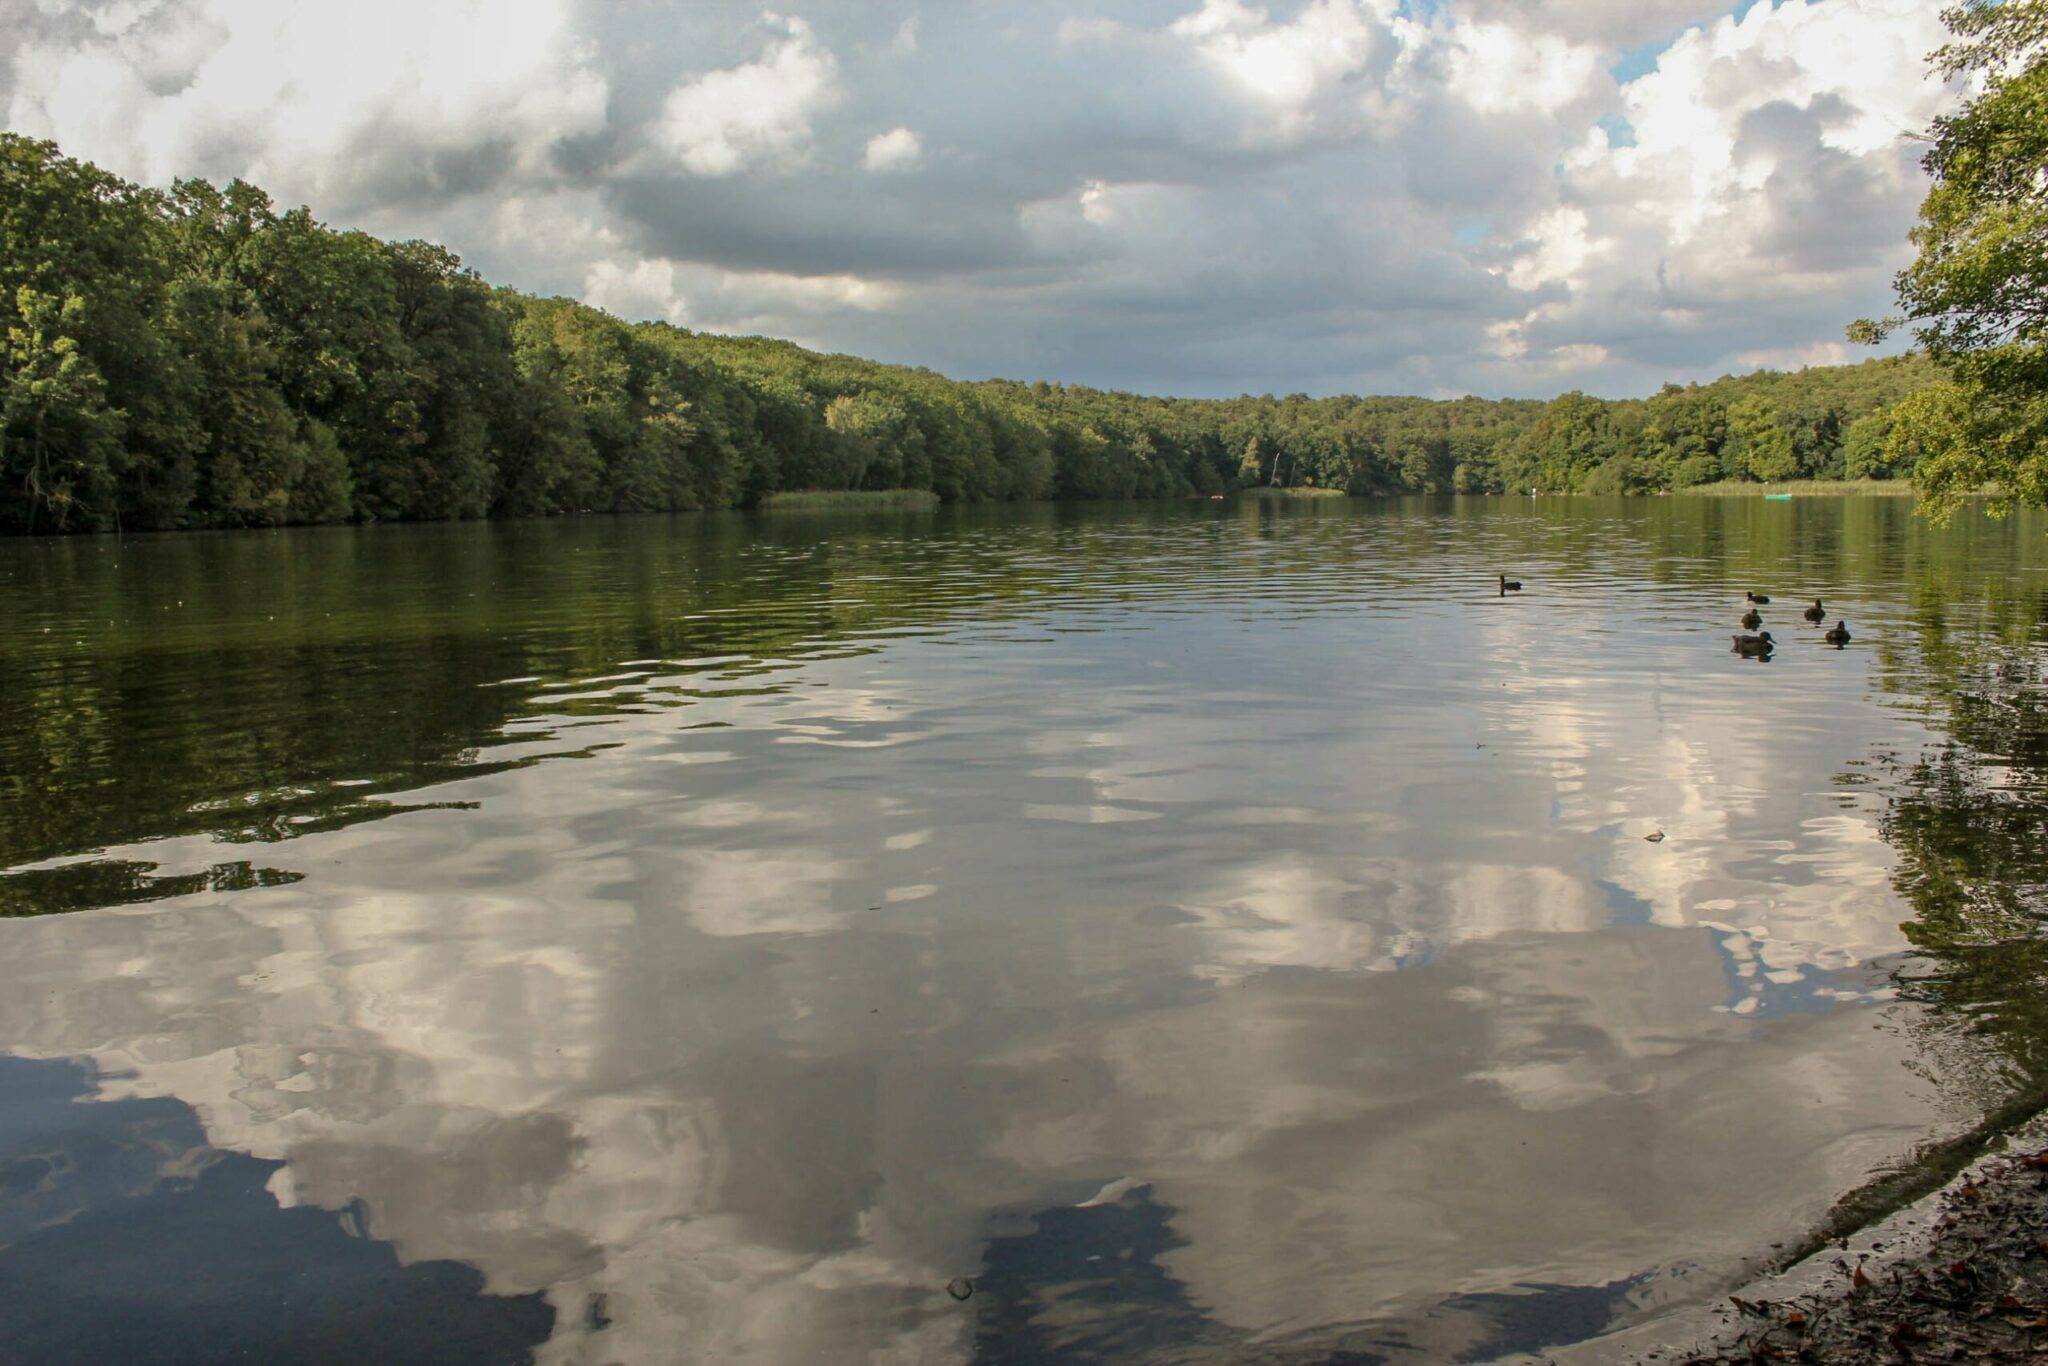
column 1214, row 931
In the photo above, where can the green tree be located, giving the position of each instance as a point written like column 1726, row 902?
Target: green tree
column 59, row 441
column 247, row 439
column 1864, row 453
column 1682, row 438
column 1944, row 438
column 321, row 488
column 1762, row 447
column 1251, row 470
column 1567, row 441
column 874, row 433
column 1977, row 294
column 214, row 234
column 198, row 357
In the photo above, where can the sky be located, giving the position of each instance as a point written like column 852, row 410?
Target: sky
column 1192, row 197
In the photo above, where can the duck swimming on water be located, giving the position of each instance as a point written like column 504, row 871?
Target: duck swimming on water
column 1508, row 585
column 1759, row 598
column 1837, row 635
column 1816, row 613
column 1755, row 647
column 1752, row 619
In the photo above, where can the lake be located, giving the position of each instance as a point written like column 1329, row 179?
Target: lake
column 1180, row 931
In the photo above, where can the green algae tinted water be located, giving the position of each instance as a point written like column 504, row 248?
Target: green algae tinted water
column 1211, row 930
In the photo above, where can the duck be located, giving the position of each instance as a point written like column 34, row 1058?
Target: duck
column 1816, row 613
column 1508, row 585
column 1758, row 599
column 1837, row 635
column 1752, row 619
column 1755, row 647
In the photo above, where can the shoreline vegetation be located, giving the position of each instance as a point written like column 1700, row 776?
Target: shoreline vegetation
column 196, row 357
column 1304, row 491
column 1805, row 488
column 864, row 500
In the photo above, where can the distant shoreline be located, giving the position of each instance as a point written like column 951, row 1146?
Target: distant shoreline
column 926, row 501
column 1804, row 488
column 907, row 500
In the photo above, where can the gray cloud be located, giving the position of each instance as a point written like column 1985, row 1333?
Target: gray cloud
column 1623, row 23
column 1194, row 196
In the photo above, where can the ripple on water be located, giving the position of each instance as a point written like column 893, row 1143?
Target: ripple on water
column 1207, row 930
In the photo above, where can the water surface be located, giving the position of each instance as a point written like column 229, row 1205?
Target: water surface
column 1214, row 931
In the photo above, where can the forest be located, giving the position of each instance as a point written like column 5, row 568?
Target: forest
column 198, row 358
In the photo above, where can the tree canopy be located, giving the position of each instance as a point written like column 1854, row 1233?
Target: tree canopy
column 1977, row 294
column 199, row 357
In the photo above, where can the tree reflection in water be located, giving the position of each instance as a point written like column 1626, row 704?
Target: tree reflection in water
column 778, row 882
column 1969, row 822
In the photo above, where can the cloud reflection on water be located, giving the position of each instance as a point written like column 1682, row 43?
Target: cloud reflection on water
column 757, row 1044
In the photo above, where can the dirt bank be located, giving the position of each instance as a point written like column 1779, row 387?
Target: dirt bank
column 1961, row 1277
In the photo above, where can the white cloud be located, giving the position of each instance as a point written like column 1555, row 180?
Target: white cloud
column 334, row 103
column 1307, row 70
column 1558, row 249
column 1765, row 177
column 1493, row 67
column 1864, row 59
column 899, row 149
column 687, row 294
column 636, row 290
column 761, row 112
column 1799, row 357
column 1206, row 196
column 1613, row 23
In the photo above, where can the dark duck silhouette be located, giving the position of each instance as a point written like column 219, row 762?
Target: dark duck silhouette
column 1508, row 585
column 1816, row 613
column 1756, row 646
column 1758, row 599
column 1837, row 635
column 1752, row 619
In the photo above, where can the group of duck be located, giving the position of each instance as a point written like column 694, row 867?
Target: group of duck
column 1756, row 643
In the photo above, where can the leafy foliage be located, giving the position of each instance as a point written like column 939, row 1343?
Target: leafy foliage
column 199, row 358
column 1978, row 292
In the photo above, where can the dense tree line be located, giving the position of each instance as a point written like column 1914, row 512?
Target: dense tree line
column 196, row 357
